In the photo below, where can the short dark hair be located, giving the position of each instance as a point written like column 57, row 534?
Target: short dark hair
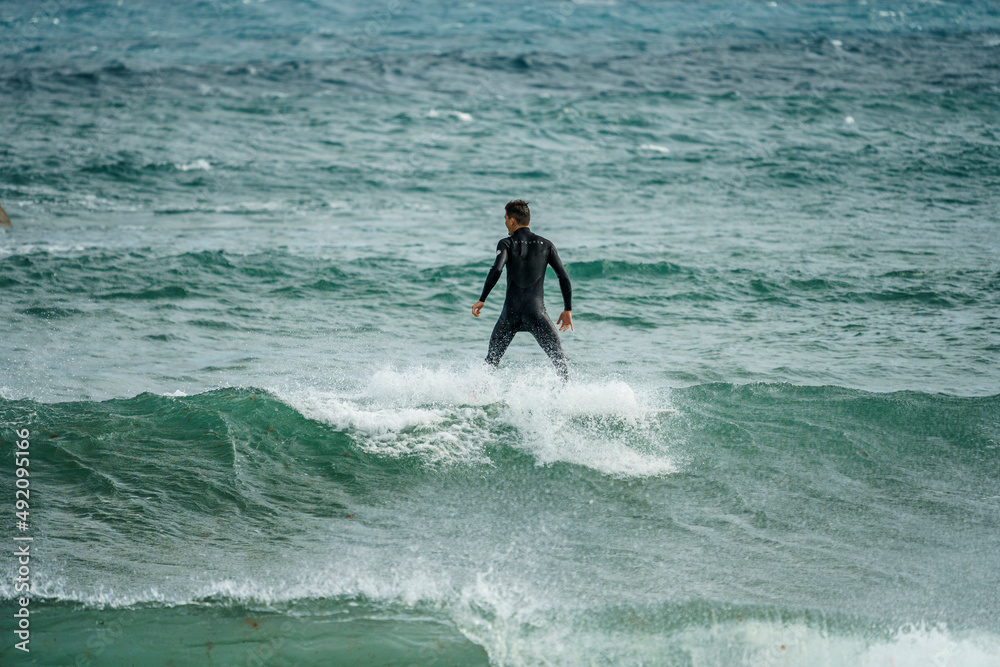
column 518, row 210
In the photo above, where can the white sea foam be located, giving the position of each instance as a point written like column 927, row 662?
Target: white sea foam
column 518, row 624
column 449, row 415
column 92, row 202
column 519, row 628
column 409, row 582
column 197, row 165
column 453, row 113
column 97, row 595
column 442, row 434
column 602, row 425
column 52, row 249
column 251, row 207
column 776, row 643
column 656, row 148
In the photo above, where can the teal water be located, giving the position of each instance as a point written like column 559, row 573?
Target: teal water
column 236, row 292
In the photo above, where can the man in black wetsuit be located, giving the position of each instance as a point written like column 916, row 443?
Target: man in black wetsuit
column 526, row 255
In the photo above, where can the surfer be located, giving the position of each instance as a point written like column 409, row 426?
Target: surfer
column 526, row 255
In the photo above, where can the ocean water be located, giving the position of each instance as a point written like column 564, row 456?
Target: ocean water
column 236, row 299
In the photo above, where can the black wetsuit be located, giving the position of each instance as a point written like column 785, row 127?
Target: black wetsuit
column 526, row 255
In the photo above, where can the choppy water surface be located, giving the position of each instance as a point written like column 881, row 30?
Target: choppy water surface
column 236, row 299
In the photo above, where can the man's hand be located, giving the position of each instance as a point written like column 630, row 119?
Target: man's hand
column 477, row 307
column 565, row 320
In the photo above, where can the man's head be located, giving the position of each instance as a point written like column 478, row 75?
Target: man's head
column 516, row 215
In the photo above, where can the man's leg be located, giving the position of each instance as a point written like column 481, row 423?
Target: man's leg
column 503, row 333
column 547, row 336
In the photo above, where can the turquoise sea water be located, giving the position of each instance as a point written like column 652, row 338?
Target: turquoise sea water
column 235, row 297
